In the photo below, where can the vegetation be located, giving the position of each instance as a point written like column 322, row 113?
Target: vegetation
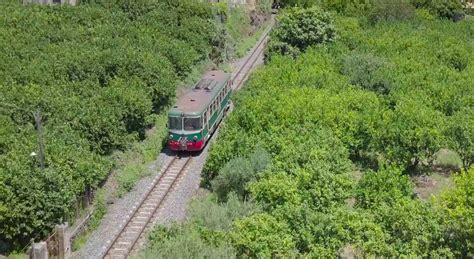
column 298, row 29
column 205, row 233
column 98, row 74
column 384, row 95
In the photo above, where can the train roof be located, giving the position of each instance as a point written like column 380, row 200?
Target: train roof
column 196, row 100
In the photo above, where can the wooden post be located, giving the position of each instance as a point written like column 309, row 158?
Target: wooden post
column 64, row 241
column 39, row 251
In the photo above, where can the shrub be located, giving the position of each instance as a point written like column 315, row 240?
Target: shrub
column 458, row 213
column 300, row 28
column 97, row 72
column 177, row 241
column 450, row 9
column 390, row 11
column 234, row 176
column 262, row 235
column 238, row 173
column 387, row 185
column 454, row 56
column 367, row 71
column 412, row 227
column 460, row 135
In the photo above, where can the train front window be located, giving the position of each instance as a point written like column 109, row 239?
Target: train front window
column 175, row 123
column 192, row 123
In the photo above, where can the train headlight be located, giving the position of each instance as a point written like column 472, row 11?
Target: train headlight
column 171, row 136
column 195, row 138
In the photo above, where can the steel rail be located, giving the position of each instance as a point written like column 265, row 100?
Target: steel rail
column 175, row 180
column 252, row 55
column 252, row 59
column 145, row 198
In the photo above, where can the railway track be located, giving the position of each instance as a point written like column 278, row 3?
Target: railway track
column 142, row 216
column 242, row 74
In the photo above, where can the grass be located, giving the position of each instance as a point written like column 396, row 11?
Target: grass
column 247, row 43
column 447, row 159
column 132, row 164
column 100, row 208
column 18, row 256
column 439, row 178
column 238, row 24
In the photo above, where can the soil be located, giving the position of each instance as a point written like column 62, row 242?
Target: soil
column 427, row 186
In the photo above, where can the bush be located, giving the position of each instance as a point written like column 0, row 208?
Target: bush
column 412, row 228
column 299, row 28
column 262, row 235
column 412, row 134
column 234, row 176
column 390, row 11
column 367, row 71
column 97, row 72
column 460, row 136
column 450, row 9
column 325, row 234
column 238, row 173
column 458, row 213
column 454, row 56
column 177, row 241
column 386, row 186
column 205, row 235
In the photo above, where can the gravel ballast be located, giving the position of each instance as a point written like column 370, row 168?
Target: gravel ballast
column 174, row 207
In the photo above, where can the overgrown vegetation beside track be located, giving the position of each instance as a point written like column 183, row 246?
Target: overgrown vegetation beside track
column 384, row 97
column 100, row 74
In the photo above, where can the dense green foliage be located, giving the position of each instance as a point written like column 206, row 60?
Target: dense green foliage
column 387, row 96
column 204, row 235
column 97, row 72
column 458, row 210
column 385, row 10
column 297, row 28
column 443, row 8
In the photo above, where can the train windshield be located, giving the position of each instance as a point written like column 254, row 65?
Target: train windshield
column 175, row 123
column 192, row 123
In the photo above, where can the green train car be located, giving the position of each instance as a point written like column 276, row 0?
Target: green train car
column 198, row 112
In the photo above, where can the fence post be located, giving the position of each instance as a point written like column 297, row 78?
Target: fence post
column 63, row 240
column 39, row 251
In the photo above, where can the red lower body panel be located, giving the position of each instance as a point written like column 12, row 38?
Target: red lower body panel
column 188, row 146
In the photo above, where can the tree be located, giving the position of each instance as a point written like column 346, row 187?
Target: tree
column 385, row 186
column 366, row 71
column 450, row 9
column 262, row 235
column 460, row 135
column 299, row 28
column 238, row 173
column 412, row 134
column 458, row 213
column 412, row 228
column 234, row 176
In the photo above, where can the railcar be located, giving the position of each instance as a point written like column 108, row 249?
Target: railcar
column 199, row 111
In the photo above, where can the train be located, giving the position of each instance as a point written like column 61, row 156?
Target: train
column 198, row 112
